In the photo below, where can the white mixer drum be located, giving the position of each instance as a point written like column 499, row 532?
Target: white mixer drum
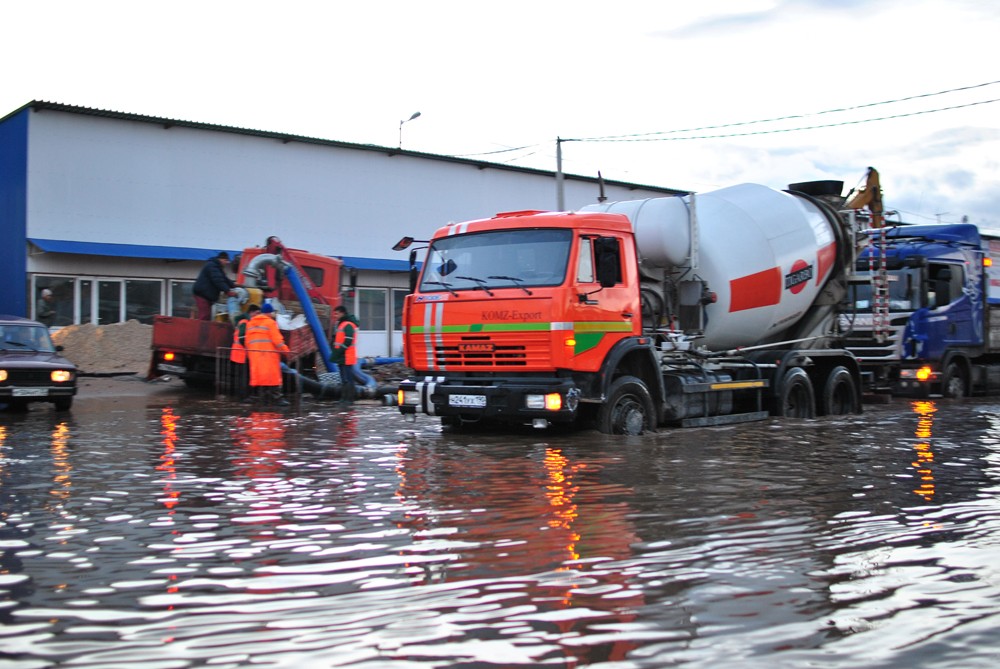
column 765, row 254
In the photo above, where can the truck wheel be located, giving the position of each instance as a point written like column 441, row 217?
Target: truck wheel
column 954, row 385
column 840, row 397
column 629, row 408
column 796, row 398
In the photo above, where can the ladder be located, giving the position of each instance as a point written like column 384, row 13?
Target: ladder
column 880, row 290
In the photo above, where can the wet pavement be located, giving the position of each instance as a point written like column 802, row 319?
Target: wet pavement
column 178, row 530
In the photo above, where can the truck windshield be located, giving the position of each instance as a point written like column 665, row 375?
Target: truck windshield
column 904, row 292
column 499, row 259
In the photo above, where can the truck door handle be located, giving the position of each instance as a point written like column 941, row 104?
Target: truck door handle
column 627, row 314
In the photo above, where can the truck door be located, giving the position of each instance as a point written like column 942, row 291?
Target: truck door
column 950, row 322
column 607, row 305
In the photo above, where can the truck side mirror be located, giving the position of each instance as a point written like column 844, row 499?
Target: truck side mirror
column 413, row 271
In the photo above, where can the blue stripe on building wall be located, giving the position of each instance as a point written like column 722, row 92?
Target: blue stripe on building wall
column 14, row 214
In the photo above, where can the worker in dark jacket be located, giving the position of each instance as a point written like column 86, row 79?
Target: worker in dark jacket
column 211, row 282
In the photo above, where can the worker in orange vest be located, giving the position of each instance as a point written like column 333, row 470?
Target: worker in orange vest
column 345, row 353
column 265, row 346
column 238, row 355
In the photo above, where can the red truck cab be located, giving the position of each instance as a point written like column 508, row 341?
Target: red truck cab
column 506, row 322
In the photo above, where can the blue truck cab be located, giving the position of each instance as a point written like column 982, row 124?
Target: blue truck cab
column 923, row 310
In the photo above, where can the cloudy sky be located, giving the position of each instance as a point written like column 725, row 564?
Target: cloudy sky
column 688, row 94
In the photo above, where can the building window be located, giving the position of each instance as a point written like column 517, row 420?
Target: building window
column 181, row 299
column 61, row 301
column 398, row 298
column 104, row 301
column 143, row 299
column 371, row 308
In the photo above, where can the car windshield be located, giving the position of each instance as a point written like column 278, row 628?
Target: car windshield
column 500, row 259
column 25, row 338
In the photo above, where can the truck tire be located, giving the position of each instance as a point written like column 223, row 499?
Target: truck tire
column 840, row 396
column 795, row 397
column 954, row 385
column 628, row 409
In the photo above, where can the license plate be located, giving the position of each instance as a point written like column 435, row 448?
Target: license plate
column 175, row 369
column 30, row 392
column 467, row 400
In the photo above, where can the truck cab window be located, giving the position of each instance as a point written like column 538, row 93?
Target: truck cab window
column 585, row 262
column 608, row 260
column 944, row 285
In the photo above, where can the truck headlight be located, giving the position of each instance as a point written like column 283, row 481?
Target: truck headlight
column 407, row 397
column 549, row 402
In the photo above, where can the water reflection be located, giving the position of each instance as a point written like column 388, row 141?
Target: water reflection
column 194, row 533
column 925, row 454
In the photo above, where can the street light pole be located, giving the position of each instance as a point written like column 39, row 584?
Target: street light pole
column 413, row 116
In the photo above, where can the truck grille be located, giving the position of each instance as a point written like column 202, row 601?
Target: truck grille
column 28, row 377
column 521, row 350
column 862, row 343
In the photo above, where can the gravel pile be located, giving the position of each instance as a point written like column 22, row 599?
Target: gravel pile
column 119, row 348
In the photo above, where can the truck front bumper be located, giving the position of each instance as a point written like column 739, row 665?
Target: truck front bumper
column 507, row 400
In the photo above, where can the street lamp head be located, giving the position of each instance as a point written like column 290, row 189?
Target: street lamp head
column 412, row 116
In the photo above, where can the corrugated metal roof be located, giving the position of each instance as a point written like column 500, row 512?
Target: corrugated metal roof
column 39, row 105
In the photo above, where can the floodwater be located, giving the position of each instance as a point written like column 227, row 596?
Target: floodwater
column 189, row 532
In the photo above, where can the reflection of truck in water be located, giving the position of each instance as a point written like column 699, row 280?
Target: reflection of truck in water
column 695, row 310
column 302, row 282
column 928, row 318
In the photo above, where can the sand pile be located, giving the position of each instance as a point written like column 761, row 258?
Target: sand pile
column 126, row 348
column 119, row 348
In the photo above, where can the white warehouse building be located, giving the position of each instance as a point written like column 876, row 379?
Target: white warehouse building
column 116, row 213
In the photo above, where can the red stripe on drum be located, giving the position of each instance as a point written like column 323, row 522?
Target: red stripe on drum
column 762, row 289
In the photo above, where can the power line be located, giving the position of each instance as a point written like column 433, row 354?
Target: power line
column 793, row 116
column 771, row 132
column 650, row 136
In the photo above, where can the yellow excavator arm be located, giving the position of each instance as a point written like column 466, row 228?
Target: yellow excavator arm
column 870, row 196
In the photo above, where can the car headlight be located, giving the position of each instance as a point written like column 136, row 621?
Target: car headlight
column 61, row 375
column 3, row 375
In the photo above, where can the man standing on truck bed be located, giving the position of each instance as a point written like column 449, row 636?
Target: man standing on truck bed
column 211, row 282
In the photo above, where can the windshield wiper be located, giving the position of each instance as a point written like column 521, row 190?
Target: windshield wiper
column 442, row 283
column 21, row 343
column 516, row 281
column 480, row 284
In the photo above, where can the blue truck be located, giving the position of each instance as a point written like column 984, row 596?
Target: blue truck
column 923, row 310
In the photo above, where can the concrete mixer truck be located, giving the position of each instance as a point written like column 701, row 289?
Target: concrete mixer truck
column 683, row 311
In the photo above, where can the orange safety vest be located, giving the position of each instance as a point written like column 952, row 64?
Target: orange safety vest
column 264, row 345
column 350, row 352
column 238, row 353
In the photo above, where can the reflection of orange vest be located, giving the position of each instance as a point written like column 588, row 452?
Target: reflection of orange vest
column 238, row 354
column 350, row 352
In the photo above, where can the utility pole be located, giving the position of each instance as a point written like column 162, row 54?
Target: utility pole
column 560, row 181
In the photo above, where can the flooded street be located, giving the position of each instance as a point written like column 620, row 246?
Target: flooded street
column 184, row 531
